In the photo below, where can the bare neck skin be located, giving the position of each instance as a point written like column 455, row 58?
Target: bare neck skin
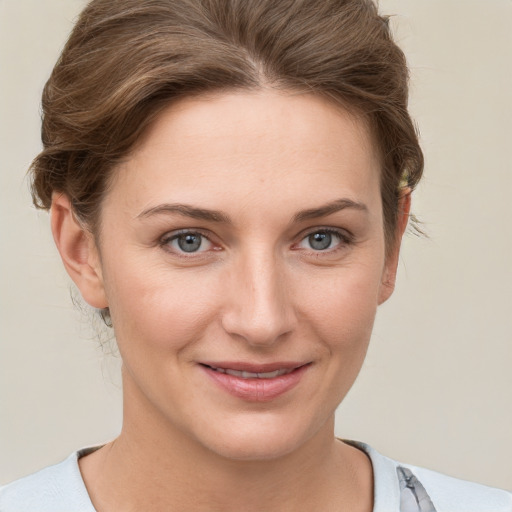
column 168, row 470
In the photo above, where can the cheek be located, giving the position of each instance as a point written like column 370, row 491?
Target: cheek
column 154, row 308
column 342, row 306
column 338, row 312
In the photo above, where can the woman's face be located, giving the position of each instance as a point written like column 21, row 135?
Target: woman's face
column 243, row 259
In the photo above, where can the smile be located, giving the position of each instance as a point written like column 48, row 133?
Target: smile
column 255, row 383
column 252, row 375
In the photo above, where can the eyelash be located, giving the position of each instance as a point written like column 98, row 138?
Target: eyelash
column 345, row 239
column 168, row 238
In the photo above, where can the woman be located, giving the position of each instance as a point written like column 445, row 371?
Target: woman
column 229, row 184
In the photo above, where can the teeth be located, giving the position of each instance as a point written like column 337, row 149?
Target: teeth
column 269, row 375
column 251, row 375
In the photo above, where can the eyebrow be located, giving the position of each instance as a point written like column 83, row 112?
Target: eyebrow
column 186, row 211
column 329, row 209
column 220, row 217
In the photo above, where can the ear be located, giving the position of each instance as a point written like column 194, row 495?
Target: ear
column 78, row 251
column 389, row 275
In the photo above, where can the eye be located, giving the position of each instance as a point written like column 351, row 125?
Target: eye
column 323, row 240
column 187, row 242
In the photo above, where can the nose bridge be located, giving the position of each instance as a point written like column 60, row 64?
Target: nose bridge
column 259, row 309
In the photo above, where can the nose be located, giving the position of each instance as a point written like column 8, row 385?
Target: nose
column 258, row 307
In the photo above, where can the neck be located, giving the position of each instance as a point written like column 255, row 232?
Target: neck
column 169, row 470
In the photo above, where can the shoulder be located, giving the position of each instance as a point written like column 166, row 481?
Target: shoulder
column 452, row 494
column 409, row 488
column 57, row 488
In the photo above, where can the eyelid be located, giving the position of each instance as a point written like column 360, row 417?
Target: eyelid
column 345, row 237
column 165, row 240
column 342, row 233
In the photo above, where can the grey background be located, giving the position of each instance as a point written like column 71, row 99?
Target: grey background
column 436, row 389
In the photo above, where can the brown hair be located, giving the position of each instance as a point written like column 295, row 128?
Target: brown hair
column 125, row 60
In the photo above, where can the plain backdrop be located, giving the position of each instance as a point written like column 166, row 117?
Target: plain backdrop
column 436, row 388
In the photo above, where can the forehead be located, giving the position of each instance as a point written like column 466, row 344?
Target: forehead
column 244, row 144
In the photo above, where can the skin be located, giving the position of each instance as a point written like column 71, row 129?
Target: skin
column 256, row 291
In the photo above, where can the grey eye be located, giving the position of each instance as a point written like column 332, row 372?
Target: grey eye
column 320, row 240
column 190, row 242
column 186, row 242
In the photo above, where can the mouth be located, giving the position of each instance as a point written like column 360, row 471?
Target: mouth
column 243, row 374
column 256, row 383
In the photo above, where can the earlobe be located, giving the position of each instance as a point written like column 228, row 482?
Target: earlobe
column 78, row 251
column 390, row 268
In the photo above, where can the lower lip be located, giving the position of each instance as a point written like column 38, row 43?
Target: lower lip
column 257, row 390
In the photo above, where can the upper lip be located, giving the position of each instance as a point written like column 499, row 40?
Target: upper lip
column 254, row 367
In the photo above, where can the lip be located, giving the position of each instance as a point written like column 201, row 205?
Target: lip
column 256, row 389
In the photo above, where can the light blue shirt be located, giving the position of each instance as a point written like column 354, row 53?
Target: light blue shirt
column 397, row 488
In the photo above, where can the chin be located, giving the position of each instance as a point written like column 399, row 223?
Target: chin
column 253, row 448
column 256, row 439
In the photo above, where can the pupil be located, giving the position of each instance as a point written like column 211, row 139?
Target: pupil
column 189, row 243
column 320, row 241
